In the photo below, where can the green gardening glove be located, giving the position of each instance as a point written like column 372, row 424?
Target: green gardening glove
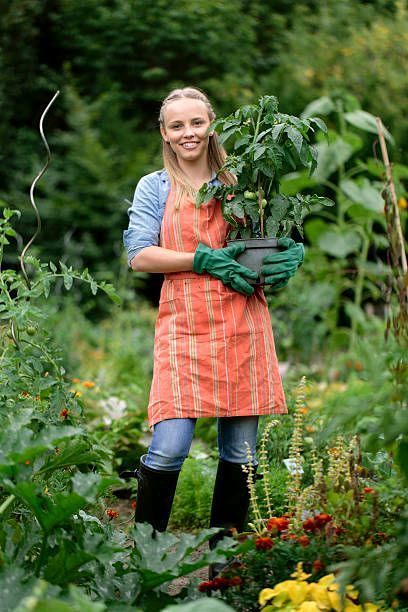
column 278, row 268
column 221, row 264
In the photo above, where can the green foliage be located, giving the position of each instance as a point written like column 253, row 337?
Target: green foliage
column 192, row 501
column 267, row 145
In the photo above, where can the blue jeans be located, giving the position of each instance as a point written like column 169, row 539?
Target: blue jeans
column 172, row 440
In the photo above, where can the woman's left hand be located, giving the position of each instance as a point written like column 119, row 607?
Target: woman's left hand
column 278, row 268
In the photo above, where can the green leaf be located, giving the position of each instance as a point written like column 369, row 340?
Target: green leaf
column 321, row 106
column 94, row 287
column 339, row 242
column 201, row 605
column 366, row 121
column 363, row 193
column 331, row 157
column 53, row 267
column 402, row 456
column 259, row 151
column 295, row 137
column 68, row 281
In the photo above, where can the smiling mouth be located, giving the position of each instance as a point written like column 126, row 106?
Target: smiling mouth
column 189, row 145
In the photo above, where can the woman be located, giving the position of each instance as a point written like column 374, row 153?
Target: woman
column 214, row 352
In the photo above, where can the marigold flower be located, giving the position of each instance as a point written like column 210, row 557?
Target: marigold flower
column 75, row 380
column 304, row 541
column 88, row 384
column 358, row 366
column 402, row 204
column 369, row 490
column 25, row 394
column 206, row 586
column 220, row 583
column 322, row 519
column 277, row 524
column 112, row 513
column 288, row 536
column 235, row 581
column 64, row 413
column 318, row 565
column 27, row 462
column 310, row 525
column 263, row 543
column 134, row 503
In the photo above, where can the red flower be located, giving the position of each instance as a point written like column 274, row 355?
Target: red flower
column 263, row 543
column 277, row 524
column 318, row 565
column 322, row 519
column 112, row 513
column 220, row 583
column 310, row 525
column 304, row 541
column 134, row 504
column 203, row 587
column 27, row 462
column 230, row 196
column 288, row 536
column 235, row 581
column 369, row 491
column 64, row 413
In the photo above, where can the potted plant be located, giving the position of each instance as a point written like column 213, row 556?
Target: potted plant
column 267, row 145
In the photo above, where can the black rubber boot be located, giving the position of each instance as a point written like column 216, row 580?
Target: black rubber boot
column 155, row 495
column 230, row 504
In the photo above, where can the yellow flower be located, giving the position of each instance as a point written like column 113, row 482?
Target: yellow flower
column 308, row 606
column 370, row 607
column 319, row 594
column 402, row 203
column 299, row 574
column 266, row 595
column 326, row 580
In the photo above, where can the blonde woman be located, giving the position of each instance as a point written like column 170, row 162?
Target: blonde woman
column 214, row 353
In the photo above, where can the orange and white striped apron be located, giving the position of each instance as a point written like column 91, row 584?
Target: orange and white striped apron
column 214, row 353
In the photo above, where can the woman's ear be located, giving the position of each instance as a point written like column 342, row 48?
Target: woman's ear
column 163, row 133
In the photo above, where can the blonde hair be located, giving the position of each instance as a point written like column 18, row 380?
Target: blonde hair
column 216, row 152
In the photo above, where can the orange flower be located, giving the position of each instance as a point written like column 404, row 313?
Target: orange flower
column 318, row 565
column 310, row 525
column 358, row 366
column 263, row 543
column 304, row 541
column 402, row 204
column 88, row 384
column 321, row 519
column 112, row 513
column 277, row 524
column 369, row 491
column 75, row 380
column 134, row 503
column 64, row 413
column 27, row 462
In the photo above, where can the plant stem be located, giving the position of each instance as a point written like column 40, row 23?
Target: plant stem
column 358, row 296
column 6, row 503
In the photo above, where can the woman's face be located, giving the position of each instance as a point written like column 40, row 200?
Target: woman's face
column 186, row 122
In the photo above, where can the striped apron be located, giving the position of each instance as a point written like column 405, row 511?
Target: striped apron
column 214, row 353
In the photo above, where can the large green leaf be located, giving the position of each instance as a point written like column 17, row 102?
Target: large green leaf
column 201, row 605
column 366, row 121
column 363, row 193
column 166, row 556
column 339, row 242
column 321, row 106
column 331, row 157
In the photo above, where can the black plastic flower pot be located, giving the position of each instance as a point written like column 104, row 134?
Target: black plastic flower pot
column 255, row 251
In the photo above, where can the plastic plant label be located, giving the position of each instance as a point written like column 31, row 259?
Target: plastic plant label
column 292, row 467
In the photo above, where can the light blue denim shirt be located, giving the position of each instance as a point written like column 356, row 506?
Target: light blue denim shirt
column 146, row 212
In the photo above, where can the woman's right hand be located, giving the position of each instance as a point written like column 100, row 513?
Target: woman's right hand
column 221, row 264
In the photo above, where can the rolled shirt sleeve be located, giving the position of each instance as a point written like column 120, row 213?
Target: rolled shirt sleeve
column 145, row 215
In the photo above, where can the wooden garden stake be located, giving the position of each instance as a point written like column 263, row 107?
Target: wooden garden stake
column 393, row 193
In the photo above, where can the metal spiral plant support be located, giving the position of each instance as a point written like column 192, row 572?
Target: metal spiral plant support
column 33, row 184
